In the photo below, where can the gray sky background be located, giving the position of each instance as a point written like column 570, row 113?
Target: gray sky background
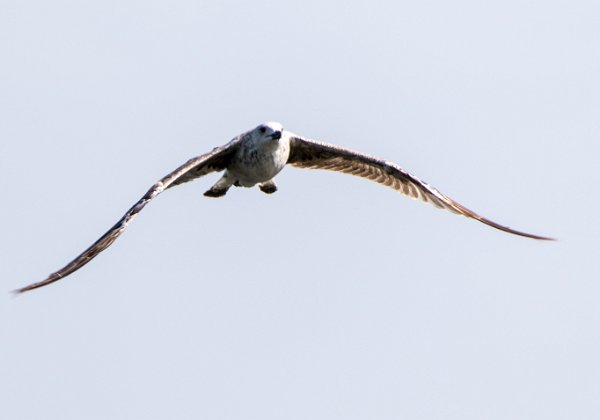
column 334, row 298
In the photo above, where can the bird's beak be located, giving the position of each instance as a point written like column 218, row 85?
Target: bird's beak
column 276, row 135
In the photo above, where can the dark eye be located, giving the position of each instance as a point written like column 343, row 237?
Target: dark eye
column 263, row 129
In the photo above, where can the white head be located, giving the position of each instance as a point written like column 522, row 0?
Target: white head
column 269, row 131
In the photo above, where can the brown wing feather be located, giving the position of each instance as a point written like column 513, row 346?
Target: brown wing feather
column 193, row 168
column 313, row 154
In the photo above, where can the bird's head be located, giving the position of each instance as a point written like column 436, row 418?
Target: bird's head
column 270, row 131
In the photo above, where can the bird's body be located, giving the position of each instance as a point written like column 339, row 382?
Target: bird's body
column 255, row 158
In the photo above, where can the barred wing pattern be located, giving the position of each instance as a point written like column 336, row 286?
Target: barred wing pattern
column 311, row 154
column 194, row 168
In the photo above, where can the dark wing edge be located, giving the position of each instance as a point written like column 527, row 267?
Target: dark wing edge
column 312, row 154
column 193, row 168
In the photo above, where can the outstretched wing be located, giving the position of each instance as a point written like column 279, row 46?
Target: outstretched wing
column 213, row 161
column 313, row 154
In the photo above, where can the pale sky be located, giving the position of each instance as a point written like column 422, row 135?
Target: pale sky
column 334, row 298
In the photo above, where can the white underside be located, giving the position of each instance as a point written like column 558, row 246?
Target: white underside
column 258, row 162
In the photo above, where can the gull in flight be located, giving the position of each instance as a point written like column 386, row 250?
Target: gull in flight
column 254, row 158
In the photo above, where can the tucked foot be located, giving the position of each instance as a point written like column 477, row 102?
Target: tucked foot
column 216, row 192
column 268, row 187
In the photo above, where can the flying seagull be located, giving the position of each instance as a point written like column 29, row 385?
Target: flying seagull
column 254, row 158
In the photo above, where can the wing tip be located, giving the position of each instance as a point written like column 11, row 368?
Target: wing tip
column 49, row 280
column 537, row 237
column 516, row 232
column 21, row 290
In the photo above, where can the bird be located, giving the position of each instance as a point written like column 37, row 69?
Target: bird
column 254, row 158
